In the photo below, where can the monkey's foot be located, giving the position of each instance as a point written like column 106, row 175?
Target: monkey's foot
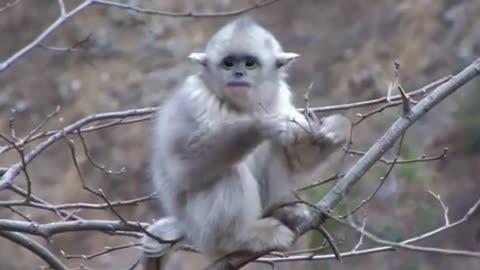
column 282, row 237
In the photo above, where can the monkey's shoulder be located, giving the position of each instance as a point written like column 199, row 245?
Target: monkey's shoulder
column 193, row 106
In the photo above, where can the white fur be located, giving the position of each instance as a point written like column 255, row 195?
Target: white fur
column 216, row 167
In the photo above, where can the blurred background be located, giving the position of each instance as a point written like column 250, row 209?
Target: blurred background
column 347, row 50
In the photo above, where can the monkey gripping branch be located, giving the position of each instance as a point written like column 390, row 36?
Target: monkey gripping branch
column 318, row 215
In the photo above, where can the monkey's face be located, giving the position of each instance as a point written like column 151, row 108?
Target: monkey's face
column 239, row 72
column 241, row 78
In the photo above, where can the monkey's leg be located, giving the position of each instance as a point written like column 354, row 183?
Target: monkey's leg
column 264, row 235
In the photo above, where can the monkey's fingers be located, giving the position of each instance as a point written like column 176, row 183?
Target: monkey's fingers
column 313, row 122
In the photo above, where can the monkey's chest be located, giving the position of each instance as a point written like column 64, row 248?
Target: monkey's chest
column 235, row 199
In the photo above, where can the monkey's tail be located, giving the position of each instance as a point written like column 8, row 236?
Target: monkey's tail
column 166, row 231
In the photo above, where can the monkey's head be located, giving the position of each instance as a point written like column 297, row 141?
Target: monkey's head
column 243, row 65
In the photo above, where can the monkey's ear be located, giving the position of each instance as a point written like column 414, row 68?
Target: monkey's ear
column 199, row 58
column 285, row 58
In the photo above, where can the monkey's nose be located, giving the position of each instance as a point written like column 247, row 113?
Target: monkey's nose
column 238, row 74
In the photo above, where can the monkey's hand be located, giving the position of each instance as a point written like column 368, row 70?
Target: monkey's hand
column 272, row 126
column 306, row 129
column 310, row 141
column 333, row 130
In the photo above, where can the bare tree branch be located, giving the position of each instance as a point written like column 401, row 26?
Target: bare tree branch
column 423, row 158
column 57, row 23
column 388, row 245
column 117, row 118
column 406, row 244
column 49, row 229
column 9, row 5
column 383, row 179
column 24, row 165
column 395, row 131
column 36, row 248
column 65, row 16
column 15, row 169
column 79, row 205
column 420, row 92
column 258, row 4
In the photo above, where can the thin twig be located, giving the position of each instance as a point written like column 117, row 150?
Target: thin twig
column 11, row 121
column 396, row 80
column 90, row 158
column 40, row 126
column 331, row 242
column 360, row 240
column 383, row 179
column 105, row 250
column 444, row 207
column 61, row 6
column 72, row 48
column 321, row 182
column 24, row 167
column 19, row 213
column 380, row 109
column 423, row 158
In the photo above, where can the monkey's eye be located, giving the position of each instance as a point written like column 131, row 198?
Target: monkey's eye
column 228, row 62
column 250, row 62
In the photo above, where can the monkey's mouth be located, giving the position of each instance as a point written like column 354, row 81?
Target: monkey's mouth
column 239, row 84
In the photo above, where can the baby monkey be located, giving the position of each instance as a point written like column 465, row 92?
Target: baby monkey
column 229, row 144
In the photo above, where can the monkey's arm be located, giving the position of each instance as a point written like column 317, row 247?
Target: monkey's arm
column 298, row 155
column 212, row 150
